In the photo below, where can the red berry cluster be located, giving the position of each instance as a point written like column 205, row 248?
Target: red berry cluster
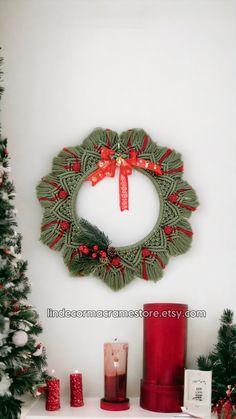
column 93, row 252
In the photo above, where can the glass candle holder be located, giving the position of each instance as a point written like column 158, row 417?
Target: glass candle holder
column 115, row 376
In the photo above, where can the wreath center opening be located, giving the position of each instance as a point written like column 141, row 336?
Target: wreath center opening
column 100, row 206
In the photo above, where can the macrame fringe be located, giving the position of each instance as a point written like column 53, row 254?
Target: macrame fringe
column 101, row 138
column 52, row 232
column 184, row 198
column 154, row 271
column 50, row 190
column 68, row 160
column 179, row 237
column 113, row 277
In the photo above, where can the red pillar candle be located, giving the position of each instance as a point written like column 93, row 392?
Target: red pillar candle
column 115, row 376
column 76, row 390
column 53, row 394
column 164, row 345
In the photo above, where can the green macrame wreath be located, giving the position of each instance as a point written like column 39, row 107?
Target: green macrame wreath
column 86, row 250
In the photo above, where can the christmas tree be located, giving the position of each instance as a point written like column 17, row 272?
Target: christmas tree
column 222, row 362
column 22, row 356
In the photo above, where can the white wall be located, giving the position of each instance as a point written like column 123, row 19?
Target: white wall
column 166, row 66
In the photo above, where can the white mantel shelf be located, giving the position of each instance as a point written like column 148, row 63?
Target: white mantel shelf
column 91, row 410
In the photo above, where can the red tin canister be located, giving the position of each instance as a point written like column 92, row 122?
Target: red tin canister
column 164, row 344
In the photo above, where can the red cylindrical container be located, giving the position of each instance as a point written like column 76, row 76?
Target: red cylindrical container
column 76, row 390
column 53, row 394
column 164, row 345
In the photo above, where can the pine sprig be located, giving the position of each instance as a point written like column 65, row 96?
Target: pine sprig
column 90, row 234
column 84, row 265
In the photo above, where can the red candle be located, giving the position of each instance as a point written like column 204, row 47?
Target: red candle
column 163, row 357
column 115, row 376
column 53, row 394
column 76, row 390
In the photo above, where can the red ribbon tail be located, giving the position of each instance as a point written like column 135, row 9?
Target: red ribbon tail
column 124, row 192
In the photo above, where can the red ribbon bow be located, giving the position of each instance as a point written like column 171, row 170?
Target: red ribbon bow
column 110, row 160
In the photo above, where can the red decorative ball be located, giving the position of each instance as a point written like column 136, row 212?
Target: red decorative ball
column 94, row 255
column 63, row 194
column 76, row 166
column 103, row 254
column 116, row 261
column 95, row 247
column 146, row 252
column 16, row 307
column 42, row 389
column 85, row 250
column 168, row 229
column 172, row 198
column 64, row 225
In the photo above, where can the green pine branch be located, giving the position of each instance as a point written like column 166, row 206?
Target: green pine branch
column 22, row 370
column 10, row 408
column 90, row 235
column 222, row 359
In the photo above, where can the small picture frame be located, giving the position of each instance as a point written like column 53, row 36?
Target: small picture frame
column 197, row 393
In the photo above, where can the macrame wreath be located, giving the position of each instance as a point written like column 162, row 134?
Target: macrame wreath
column 86, row 250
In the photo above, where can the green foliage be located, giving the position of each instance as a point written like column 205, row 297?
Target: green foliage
column 10, row 408
column 22, row 368
column 83, row 266
column 222, row 359
column 90, row 234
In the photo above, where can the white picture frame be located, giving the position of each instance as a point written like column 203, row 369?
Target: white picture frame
column 197, row 393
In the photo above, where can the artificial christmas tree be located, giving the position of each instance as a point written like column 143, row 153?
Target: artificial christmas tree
column 222, row 362
column 22, row 356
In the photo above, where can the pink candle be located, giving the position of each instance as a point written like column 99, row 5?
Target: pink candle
column 53, row 394
column 76, row 390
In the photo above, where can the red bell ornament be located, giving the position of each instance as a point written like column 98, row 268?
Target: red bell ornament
column 164, row 344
